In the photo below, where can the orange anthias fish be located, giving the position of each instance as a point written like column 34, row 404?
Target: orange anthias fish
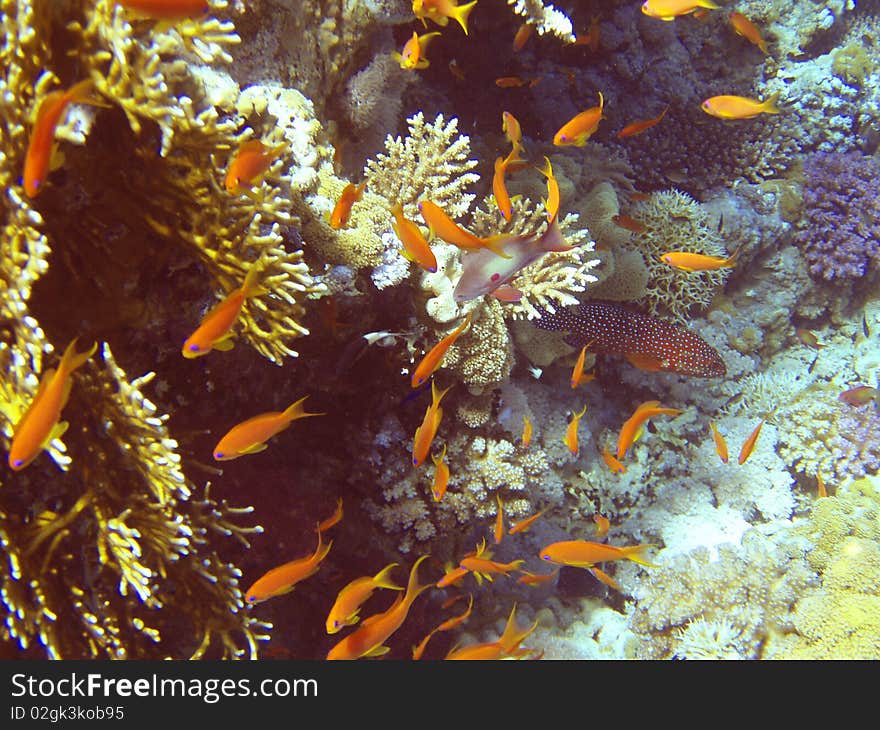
column 510, row 82
column 551, row 204
column 691, row 262
column 250, row 163
column 451, row 577
column 749, row 445
column 430, row 423
column 441, row 475
column 672, row 9
column 522, row 36
column 630, row 224
column 481, row 565
column 638, row 127
column 368, row 640
column 820, row 485
column 571, row 433
column 513, row 131
column 720, row 443
column 41, row 145
column 350, row 599
column 748, row 30
column 215, row 330
column 506, row 646
column 350, row 195
column 632, row 426
column 535, row 579
column 250, row 436
column 808, row 338
column 739, row 107
column 333, row 519
column 499, row 521
column 524, row 524
column 415, row 247
column 167, row 9
column 442, row 226
column 612, row 463
column 603, row 524
column 577, row 374
column 859, row 395
column 446, row 625
column 440, row 11
column 499, row 187
column 282, row 579
column 584, row 554
column 413, row 55
column 581, row 127
column 526, row 432
column 434, row 358
column 41, row 422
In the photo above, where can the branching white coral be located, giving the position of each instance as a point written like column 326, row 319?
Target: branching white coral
column 545, row 18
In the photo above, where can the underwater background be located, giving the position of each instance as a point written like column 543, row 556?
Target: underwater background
column 130, row 536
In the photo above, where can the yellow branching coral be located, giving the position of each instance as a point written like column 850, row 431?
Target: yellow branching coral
column 431, row 162
column 545, row 18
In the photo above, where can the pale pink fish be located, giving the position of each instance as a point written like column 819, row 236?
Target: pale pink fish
column 484, row 272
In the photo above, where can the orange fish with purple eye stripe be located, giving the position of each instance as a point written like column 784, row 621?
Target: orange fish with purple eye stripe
column 167, row 9
column 350, row 599
column 720, row 443
column 415, row 247
column 451, row 577
column 577, row 374
column 691, row 262
column 730, row 106
column 41, row 143
column 350, row 195
column 612, row 463
column 413, row 54
column 748, row 30
column 603, row 524
column 434, row 358
column 442, row 226
column 585, row 554
column 638, row 127
column 581, row 127
column 441, row 475
column 630, row 224
column 250, row 163
column 250, row 436
column 41, row 422
column 633, row 425
column 506, row 646
column 333, row 519
column 749, row 444
column 499, row 188
column 282, row 579
column 524, row 524
column 527, row 432
column 428, row 429
column 535, row 579
column 551, row 204
column 480, row 564
column 571, row 432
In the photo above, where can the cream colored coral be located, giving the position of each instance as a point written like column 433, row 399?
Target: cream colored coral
column 598, row 208
column 483, row 356
column 545, row 18
column 628, row 280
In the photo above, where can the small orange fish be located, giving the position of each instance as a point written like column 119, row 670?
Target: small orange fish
column 581, row 127
column 442, row 226
column 499, row 188
column 638, row 127
column 41, row 422
column 672, row 9
column 630, row 429
column 512, row 130
column 631, row 224
column 413, row 54
column 430, row 423
column 282, row 579
column 167, row 9
column 748, row 30
column 691, row 262
column 524, row 524
column 577, row 374
column 41, row 144
column 506, row 646
column 350, row 195
column 720, row 443
column 452, row 576
column 250, row 436
column 441, row 475
column 434, row 358
column 215, row 330
column 534, row 579
column 456, row 70
column 571, row 433
column 527, row 432
column 350, row 599
column 749, row 445
column 510, row 82
column 440, row 11
column 859, row 395
column 612, row 462
column 333, row 519
column 585, row 554
column 415, row 247
column 821, row 486
column 446, row 625
column 551, row 204
column 808, row 338
column 639, row 197
column 603, row 524
column 250, row 163
column 739, row 107
column 523, row 33
column 367, row 640
column 499, row 521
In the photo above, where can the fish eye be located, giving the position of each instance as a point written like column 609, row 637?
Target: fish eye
column 415, row 462
column 251, row 598
column 495, row 277
column 219, row 455
column 545, row 557
column 17, row 464
column 193, row 348
column 433, row 269
column 563, row 137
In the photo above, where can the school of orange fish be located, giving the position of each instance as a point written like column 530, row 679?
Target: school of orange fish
column 42, row 420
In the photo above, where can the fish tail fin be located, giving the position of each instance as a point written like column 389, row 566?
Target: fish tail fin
column 708, row 4
column 547, row 170
column 382, row 578
column 553, row 240
column 71, row 359
column 633, row 552
column 731, row 260
column 770, row 105
column 493, row 243
column 84, row 92
column 461, row 14
column 297, row 410
column 413, row 589
column 322, row 550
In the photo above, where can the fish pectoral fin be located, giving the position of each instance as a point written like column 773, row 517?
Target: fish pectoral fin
column 378, row 651
column 507, row 293
column 256, row 448
column 57, row 158
column 57, row 432
column 224, row 345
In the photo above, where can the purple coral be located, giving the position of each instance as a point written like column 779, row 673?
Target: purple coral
column 857, row 441
column 842, row 211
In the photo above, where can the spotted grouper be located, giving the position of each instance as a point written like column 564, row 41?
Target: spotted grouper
column 650, row 343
